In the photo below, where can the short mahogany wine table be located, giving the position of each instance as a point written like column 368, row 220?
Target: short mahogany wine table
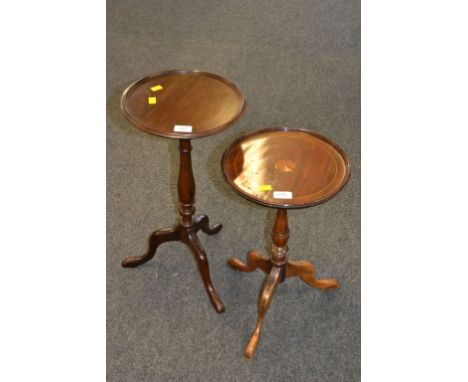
column 285, row 169
column 183, row 104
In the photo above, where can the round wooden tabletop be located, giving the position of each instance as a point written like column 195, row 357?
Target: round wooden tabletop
column 286, row 168
column 182, row 104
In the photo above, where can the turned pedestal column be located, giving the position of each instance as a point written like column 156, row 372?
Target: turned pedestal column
column 285, row 169
column 186, row 229
column 276, row 267
column 183, row 105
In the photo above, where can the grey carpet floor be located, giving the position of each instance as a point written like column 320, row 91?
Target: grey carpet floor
column 298, row 64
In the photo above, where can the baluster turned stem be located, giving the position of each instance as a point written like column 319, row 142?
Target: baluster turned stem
column 186, row 184
column 280, row 237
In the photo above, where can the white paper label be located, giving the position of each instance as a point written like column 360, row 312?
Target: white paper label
column 282, row 194
column 183, row 128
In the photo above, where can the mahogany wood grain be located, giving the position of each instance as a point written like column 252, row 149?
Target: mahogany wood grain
column 254, row 260
column 272, row 279
column 207, row 102
column 309, row 165
column 187, row 228
column 276, row 269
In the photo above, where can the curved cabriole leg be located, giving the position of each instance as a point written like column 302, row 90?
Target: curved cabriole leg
column 189, row 227
column 305, row 270
column 254, row 260
column 203, row 222
column 264, row 300
column 199, row 255
column 157, row 238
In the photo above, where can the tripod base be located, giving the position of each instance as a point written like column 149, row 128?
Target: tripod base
column 188, row 236
column 275, row 274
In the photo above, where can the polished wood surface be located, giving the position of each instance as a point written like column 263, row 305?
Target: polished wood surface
column 309, row 166
column 186, row 229
column 307, row 169
column 207, row 102
column 276, row 268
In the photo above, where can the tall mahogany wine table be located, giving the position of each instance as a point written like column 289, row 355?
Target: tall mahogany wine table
column 285, row 169
column 183, row 104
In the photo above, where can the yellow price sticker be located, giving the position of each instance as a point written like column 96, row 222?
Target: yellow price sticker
column 156, row 88
column 265, row 187
column 152, row 100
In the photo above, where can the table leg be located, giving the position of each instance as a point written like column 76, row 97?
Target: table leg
column 187, row 227
column 305, row 270
column 254, row 260
column 201, row 260
column 264, row 299
column 157, row 238
column 277, row 268
column 203, row 222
